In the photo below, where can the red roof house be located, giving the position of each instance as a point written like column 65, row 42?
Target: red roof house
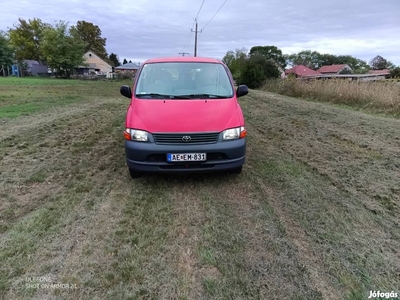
column 301, row 71
column 384, row 72
column 334, row 69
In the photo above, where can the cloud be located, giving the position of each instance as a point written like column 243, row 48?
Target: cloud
column 142, row 29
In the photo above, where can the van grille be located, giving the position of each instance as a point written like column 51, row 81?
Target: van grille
column 182, row 138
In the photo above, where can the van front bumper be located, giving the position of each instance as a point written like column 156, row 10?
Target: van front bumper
column 152, row 157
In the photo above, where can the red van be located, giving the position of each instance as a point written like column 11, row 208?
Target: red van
column 184, row 116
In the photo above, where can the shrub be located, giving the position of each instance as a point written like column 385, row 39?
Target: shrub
column 395, row 73
column 125, row 75
column 256, row 70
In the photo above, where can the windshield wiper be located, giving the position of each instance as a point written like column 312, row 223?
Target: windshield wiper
column 201, row 96
column 155, row 95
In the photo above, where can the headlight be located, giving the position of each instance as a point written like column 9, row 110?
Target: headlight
column 234, row 133
column 136, row 135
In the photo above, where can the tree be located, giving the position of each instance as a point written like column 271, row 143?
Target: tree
column 379, row 63
column 91, row 35
column 235, row 61
column 357, row 65
column 26, row 38
column 327, row 59
column 62, row 49
column 395, row 72
column 113, row 58
column 314, row 60
column 130, row 61
column 125, row 61
column 269, row 52
column 257, row 69
column 229, row 58
column 6, row 52
column 308, row 58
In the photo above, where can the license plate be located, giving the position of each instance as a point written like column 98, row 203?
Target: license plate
column 172, row 157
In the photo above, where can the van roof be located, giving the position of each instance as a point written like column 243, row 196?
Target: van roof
column 182, row 59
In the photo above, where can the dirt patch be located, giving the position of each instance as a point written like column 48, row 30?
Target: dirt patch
column 22, row 200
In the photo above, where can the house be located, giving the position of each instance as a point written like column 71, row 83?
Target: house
column 301, row 71
column 381, row 74
column 33, row 67
column 94, row 65
column 335, row 69
column 128, row 67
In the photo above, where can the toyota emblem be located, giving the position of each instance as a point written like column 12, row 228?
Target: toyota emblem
column 186, row 138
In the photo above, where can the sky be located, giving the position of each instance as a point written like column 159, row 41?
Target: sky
column 141, row 29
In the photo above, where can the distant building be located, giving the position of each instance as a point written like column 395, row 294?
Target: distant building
column 301, row 71
column 35, row 68
column 127, row 67
column 381, row 74
column 335, row 69
column 94, row 65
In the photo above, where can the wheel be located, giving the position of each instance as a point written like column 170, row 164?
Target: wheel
column 135, row 174
column 237, row 170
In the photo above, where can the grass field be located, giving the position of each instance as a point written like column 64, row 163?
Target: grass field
column 314, row 214
column 377, row 97
column 29, row 95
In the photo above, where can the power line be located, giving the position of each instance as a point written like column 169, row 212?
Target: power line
column 199, row 9
column 215, row 14
column 187, row 39
column 194, row 21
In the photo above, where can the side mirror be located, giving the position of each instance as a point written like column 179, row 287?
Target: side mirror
column 126, row 91
column 242, row 90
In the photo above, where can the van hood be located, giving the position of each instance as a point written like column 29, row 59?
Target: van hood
column 183, row 115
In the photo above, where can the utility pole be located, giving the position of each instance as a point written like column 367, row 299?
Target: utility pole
column 183, row 53
column 195, row 38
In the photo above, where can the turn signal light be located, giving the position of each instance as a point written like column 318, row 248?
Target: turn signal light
column 127, row 135
column 243, row 134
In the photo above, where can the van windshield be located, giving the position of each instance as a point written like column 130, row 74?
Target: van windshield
column 183, row 80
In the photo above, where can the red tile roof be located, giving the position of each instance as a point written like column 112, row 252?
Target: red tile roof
column 379, row 72
column 331, row 68
column 302, row 71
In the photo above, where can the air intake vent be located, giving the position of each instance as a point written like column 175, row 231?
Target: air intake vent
column 186, row 138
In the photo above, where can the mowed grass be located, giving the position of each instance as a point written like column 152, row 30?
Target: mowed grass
column 314, row 215
column 24, row 96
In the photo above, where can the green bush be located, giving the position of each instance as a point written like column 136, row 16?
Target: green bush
column 395, row 73
column 256, row 70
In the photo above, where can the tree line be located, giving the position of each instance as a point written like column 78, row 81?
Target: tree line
column 59, row 46
column 261, row 62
